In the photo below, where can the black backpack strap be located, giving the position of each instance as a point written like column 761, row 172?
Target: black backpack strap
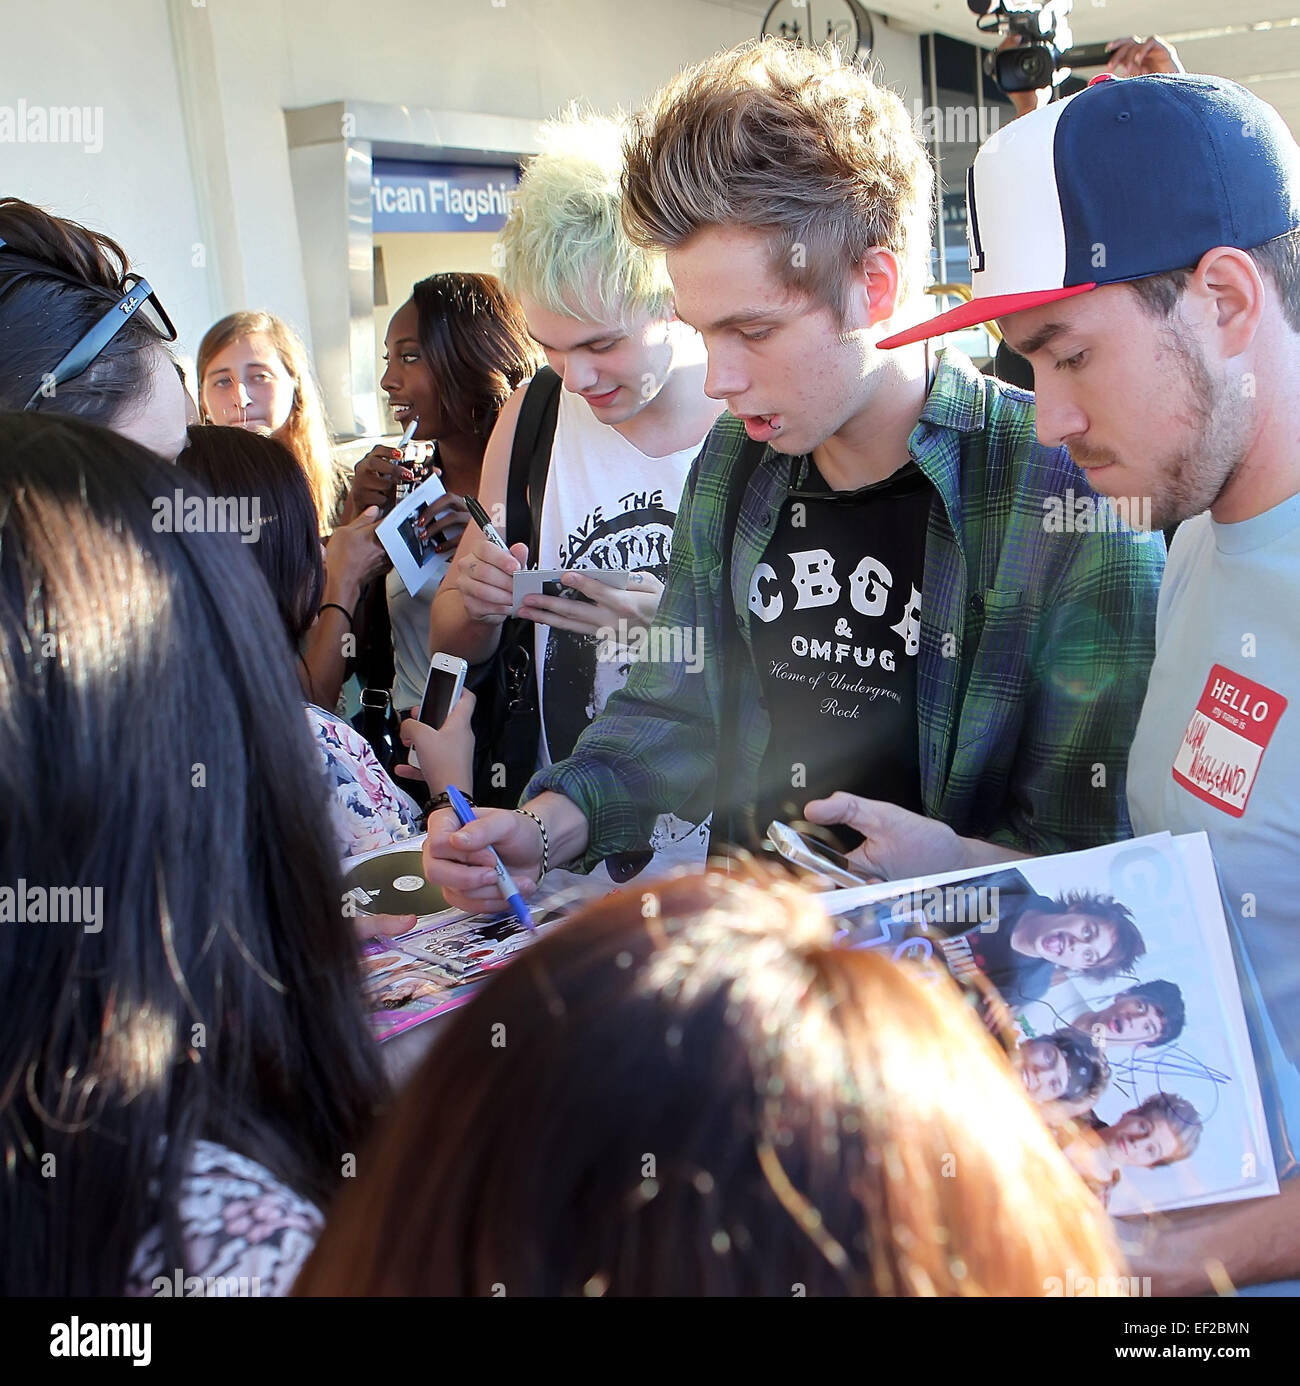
column 506, row 721
column 732, row 651
column 530, row 459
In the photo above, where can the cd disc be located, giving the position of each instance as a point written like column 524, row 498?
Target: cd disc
column 393, row 884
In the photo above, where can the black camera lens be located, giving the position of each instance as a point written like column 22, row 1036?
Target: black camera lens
column 1026, row 68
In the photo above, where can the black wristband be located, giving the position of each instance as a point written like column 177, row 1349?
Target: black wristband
column 325, row 606
column 443, row 800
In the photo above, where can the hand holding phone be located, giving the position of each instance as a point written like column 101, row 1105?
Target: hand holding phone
column 805, row 851
column 442, row 690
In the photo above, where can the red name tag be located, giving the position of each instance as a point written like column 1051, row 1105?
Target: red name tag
column 1224, row 743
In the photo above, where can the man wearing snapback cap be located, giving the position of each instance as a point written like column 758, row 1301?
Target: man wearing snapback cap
column 1139, row 244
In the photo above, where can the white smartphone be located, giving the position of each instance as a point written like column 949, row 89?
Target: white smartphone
column 442, row 689
column 812, row 855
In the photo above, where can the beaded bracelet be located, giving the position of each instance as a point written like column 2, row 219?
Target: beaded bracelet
column 443, row 801
column 546, row 842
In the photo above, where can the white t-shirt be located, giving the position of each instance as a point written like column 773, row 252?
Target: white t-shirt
column 607, row 505
column 1217, row 749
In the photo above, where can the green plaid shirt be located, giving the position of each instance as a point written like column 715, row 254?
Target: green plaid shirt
column 1035, row 645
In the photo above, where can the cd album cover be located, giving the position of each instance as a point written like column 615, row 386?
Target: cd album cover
column 392, row 882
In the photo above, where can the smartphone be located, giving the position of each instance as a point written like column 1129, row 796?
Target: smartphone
column 812, row 855
column 442, row 689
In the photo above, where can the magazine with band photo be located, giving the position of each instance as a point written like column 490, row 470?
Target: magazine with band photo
column 1112, row 974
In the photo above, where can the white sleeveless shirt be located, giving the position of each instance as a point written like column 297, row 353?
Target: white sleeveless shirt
column 607, row 505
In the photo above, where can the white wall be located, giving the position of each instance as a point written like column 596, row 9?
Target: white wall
column 193, row 94
column 138, row 187
column 522, row 58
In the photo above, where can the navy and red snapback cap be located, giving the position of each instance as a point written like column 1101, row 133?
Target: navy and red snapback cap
column 1130, row 177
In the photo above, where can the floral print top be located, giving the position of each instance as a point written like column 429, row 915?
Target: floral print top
column 244, row 1232
column 368, row 809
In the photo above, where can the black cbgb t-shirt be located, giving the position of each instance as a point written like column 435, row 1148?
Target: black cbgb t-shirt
column 835, row 619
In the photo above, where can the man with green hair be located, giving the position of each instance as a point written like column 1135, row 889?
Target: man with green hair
column 631, row 418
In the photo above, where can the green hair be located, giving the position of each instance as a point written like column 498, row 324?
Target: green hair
column 564, row 244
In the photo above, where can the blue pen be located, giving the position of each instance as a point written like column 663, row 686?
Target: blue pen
column 509, row 890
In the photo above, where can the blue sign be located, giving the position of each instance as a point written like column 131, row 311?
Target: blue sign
column 409, row 196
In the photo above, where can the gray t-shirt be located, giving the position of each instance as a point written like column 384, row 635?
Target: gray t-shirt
column 1217, row 750
column 408, row 617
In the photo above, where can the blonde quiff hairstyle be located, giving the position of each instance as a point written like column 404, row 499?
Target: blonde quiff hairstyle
column 564, row 244
column 793, row 141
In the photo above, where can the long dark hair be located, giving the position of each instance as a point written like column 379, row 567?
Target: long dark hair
column 78, row 278
column 154, row 749
column 689, row 1091
column 236, row 463
column 477, row 345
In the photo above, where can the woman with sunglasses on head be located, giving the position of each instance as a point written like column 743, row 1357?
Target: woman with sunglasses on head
column 455, row 351
column 184, row 1065
column 81, row 335
column 254, row 373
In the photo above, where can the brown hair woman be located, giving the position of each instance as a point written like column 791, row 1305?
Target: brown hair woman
column 254, row 373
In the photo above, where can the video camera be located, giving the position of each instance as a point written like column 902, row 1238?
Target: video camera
column 1045, row 47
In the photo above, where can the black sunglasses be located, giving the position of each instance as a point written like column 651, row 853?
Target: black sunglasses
column 136, row 293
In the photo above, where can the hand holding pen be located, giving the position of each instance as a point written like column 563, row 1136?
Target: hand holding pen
column 378, row 474
column 505, row 884
column 483, row 572
column 456, row 857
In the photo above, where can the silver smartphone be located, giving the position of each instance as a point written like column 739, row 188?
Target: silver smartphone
column 442, row 689
column 805, row 851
